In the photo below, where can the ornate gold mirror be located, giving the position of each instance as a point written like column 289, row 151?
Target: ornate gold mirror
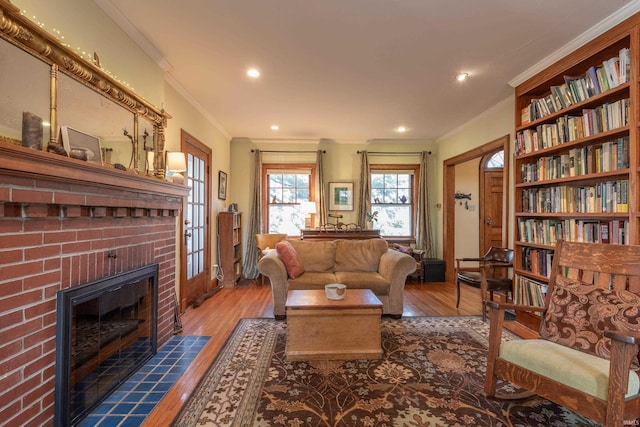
column 54, row 85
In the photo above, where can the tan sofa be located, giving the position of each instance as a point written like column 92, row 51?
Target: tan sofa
column 359, row 264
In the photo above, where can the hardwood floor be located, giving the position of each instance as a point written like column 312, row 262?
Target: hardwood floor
column 218, row 315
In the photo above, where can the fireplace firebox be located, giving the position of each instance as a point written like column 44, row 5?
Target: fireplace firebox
column 105, row 331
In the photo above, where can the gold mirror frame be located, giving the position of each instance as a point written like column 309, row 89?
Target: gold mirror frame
column 23, row 33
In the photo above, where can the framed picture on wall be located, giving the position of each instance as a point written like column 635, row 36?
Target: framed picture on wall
column 222, row 185
column 340, row 196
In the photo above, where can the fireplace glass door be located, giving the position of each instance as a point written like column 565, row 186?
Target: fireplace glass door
column 108, row 332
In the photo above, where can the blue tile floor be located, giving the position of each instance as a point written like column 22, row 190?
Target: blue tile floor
column 134, row 400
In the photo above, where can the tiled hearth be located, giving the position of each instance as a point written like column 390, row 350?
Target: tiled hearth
column 63, row 223
column 137, row 397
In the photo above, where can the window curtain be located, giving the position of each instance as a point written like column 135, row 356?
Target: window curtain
column 364, row 204
column 322, row 196
column 250, row 266
column 424, row 237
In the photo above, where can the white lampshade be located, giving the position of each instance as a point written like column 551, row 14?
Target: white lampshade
column 308, row 208
column 176, row 161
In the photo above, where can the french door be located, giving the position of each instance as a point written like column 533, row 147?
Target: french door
column 196, row 240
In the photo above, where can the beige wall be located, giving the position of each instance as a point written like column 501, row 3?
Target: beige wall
column 489, row 126
column 467, row 234
column 341, row 163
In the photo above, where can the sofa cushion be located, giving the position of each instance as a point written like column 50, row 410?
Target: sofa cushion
column 360, row 280
column 316, row 256
column 359, row 255
column 311, row 280
column 579, row 313
column 290, row 258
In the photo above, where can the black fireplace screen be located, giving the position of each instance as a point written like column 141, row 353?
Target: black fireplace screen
column 105, row 331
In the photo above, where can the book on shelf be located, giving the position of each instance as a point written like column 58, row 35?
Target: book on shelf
column 549, row 231
column 596, row 80
column 611, row 67
column 625, row 63
column 592, row 121
column 622, row 198
column 604, row 232
column 593, row 80
column 529, row 291
column 537, row 261
column 526, row 115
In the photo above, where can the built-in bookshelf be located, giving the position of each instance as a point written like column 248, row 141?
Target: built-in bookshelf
column 576, row 156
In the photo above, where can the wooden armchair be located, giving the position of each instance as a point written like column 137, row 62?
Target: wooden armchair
column 487, row 273
column 586, row 356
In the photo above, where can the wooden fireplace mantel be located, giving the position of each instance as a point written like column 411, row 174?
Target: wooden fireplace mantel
column 81, row 183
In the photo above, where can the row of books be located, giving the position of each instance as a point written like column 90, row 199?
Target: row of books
column 592, row 121
column 597, row 79
column 549, row 231
column 603, row 197
column 537, row 261
column 606, row 157
column 529, row 292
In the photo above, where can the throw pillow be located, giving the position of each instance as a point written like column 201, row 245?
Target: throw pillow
column 579, row 313
column 290, row 258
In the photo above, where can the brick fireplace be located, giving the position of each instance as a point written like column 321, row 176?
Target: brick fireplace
column 63, row 223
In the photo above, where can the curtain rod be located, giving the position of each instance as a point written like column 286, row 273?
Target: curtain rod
column 288, row 151
column 392, row 153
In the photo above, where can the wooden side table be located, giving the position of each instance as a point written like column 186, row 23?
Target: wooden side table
column 322, row 329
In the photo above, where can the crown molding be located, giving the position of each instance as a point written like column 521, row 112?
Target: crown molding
column 593, row 32
column 123, row 22
column 479, row 117
column 194, row 103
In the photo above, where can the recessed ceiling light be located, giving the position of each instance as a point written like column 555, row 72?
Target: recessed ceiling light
column 253, row 73
column 401, row 129
column 462, row 77
column 275, row 127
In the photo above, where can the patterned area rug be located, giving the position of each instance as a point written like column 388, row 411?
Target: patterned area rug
column 431, row 374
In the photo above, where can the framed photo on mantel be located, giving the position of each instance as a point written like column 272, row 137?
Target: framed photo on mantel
column 341, row 196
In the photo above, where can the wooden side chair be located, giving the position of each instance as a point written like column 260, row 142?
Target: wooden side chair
column 487, row 273
column 267, row 241
column 586, row 356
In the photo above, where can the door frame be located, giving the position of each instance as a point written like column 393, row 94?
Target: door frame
column 187, row 138
column 483, row 171
column 449, row 185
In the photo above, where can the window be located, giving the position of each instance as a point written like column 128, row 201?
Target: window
column 286, row 187
column 394, row 197
column 496, row 161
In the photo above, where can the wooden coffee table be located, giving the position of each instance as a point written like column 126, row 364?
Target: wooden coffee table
column 322, row 329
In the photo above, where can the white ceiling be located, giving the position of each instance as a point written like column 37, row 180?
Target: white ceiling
column 354, row 70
